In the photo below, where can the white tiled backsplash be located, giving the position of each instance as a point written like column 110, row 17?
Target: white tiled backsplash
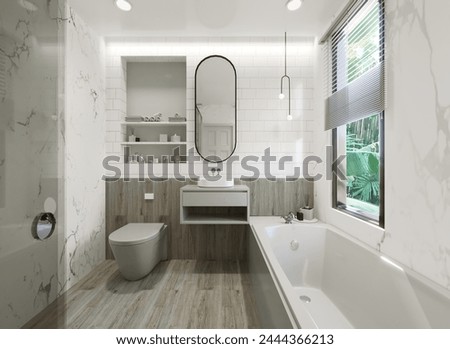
column 259, row 63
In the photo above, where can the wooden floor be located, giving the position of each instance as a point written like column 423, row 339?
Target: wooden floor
column 176, row 294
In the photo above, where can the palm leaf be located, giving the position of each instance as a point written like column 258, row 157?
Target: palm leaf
column 360, row 163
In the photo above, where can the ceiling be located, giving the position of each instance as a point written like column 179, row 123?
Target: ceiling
column 207, row 17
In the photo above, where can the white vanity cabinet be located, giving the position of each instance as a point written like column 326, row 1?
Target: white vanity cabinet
column 214, row 205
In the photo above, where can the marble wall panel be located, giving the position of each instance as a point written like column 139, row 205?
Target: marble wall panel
column 82, row 246
column 29, row 149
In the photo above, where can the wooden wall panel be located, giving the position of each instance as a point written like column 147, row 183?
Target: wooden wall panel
column 125, row 204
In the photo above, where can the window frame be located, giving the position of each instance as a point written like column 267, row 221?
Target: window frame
column 342, row 207
column 336, row 204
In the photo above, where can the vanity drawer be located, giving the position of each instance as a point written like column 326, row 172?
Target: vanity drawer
column 218, row 199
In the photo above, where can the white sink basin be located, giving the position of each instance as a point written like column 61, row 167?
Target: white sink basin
column 219, row 183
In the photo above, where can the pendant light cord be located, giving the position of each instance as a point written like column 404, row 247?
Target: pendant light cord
column 285, row 53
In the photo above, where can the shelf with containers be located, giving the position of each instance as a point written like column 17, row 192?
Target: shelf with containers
column 156, row 85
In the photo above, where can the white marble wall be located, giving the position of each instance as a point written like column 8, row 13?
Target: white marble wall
column 83, row 245
column 28, row 157
column 417, row 131
column 418, row 136
column 259, row 63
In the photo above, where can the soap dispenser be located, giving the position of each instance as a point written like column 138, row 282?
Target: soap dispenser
column 132, row 137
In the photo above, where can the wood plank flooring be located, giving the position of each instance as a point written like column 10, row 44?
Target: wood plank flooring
column 176, row 294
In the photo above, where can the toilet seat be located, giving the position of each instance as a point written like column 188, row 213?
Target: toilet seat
column 136, row 233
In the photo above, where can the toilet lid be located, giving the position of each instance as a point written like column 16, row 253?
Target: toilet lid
column 136, row 233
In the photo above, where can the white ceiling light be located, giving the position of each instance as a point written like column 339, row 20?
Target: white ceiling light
column 293, row 5
column 124, row 5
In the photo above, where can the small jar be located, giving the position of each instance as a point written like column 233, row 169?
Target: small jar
column 308, row 213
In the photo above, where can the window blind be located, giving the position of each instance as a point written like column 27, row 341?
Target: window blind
column 354, row 62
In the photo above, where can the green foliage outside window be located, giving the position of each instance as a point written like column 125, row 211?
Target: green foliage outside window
column 363, row 160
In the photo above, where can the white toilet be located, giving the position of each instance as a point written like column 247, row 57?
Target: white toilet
column 138, row 247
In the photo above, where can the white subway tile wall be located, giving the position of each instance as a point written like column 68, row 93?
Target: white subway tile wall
column 259, row 62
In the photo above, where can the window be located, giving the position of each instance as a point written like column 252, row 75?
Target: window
column 355, row 111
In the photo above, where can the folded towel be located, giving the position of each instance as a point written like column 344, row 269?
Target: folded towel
column 154, row 118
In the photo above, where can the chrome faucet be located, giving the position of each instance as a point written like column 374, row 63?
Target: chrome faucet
column 289, row 218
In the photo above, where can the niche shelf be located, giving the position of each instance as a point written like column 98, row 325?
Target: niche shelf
column 155, row 85
column 155, row 124
column 154, row 143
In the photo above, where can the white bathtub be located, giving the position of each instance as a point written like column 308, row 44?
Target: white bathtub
column 348, row 284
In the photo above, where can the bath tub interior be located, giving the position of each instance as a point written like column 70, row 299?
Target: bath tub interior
column 340, row 283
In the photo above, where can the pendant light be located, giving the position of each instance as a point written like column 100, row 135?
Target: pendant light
column 286, row 77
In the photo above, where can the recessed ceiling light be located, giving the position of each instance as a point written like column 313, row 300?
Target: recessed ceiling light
column 293, row 5
column 28, row 5
column 124, row 5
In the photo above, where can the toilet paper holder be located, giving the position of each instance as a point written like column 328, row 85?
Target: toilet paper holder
column 43, row 226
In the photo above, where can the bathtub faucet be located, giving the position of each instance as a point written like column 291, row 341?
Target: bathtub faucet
column 289, row 218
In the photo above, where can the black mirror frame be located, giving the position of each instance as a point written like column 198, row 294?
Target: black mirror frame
column 235, row 109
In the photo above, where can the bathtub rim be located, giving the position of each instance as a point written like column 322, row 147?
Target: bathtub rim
column 298, row 314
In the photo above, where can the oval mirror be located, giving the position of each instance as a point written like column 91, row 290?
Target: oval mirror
column 215, row 108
